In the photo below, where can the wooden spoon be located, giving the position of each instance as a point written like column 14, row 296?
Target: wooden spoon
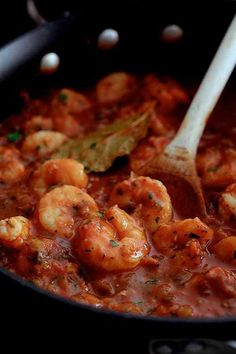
column 176, row 164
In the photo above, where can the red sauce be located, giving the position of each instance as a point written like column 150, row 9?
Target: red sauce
column 173, row 282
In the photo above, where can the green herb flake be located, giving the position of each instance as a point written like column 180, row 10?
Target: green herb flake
column 151, row 281
column 113, row 243
column 14, row 136
column 101, row 214
column 150, row 195
column 63, row 97
column 93, row 145
column 75, row 208
column 212, row 169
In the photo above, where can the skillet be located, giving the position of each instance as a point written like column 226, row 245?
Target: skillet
column 139, row 25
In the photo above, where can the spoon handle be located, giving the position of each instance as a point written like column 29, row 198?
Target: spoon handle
column 208, row 93
column 19, row 53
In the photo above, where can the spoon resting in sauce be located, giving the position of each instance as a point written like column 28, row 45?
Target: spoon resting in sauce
column 176, row 164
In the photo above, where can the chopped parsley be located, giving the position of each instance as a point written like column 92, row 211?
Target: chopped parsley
column 63, row 97
column 101, row 214
column 150, row 195
column 93, row 145
column 212, row 169
column 113, row 243
column 75, row 208
column 14, row 136
column 87, row 169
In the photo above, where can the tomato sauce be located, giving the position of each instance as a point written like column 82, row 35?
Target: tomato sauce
column 190, row 276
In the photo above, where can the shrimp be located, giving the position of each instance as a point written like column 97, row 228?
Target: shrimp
column 146, row 151
column 179, row 233
column 217, row 166
column 67, row 104
column 14, row 231
column 227, row 203
column 115, row 244
column 222, row 281
column 216, row 280
column 62, row 122
column 162, row 124
column 62, row 171
column 147, row 197
column 66, row 124
column 59, row 208
column 36, row 254
column 168, row 93
column 37, row 123
column 11, row 168
column 188, row 257
column 115, row 87
column 226, row 249
column 42, row 143
column 70, row 101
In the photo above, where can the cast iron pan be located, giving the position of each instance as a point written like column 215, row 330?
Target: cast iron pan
column 47, row 317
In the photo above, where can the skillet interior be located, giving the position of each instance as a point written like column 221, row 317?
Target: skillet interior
column 139, row 50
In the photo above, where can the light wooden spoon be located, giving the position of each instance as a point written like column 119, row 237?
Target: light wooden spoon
column 176, row 164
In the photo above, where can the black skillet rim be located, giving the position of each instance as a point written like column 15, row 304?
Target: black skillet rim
column 119, row 315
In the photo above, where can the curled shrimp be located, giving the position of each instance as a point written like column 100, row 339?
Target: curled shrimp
column 188, row 257
column 59, row 208
column 61, row 171
column 115, row 244
column 66, row 124
column 42, row 143
column 147, row 197
column 146, row 151
column 70, row 101
column 162, row 124
column 115, row 87
column 179, row 233
column 226, row 249
column 11, row 168
column 168, row 93
column 37, row 123
column 67, row 105
column 14, row 231
column 217, row 166
column 227, row 203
